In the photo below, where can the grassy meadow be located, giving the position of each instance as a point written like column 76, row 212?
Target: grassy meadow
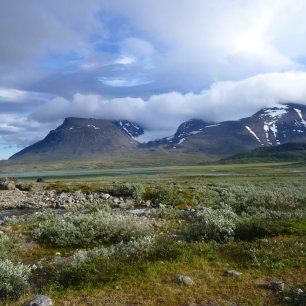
column 203, row 220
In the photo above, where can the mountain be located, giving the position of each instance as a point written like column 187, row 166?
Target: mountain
column 78, row 137
column 130, row 128
column 288, row 152
column 88, row 137
column 269, row 126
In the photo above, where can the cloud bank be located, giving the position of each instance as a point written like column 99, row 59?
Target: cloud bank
column 227, row 100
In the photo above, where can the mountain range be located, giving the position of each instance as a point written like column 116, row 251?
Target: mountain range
column 79, row 137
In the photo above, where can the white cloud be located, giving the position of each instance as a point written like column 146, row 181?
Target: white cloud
column 199, row 41
column 228, row 100
column 14, row 95
column 125, row 60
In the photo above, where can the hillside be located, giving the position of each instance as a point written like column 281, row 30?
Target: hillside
column 288, row 152
column 79, row 137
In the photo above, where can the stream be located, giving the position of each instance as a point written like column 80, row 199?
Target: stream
column 21, row 212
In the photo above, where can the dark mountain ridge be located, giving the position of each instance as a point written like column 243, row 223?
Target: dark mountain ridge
column 269, row 126
column 78, row 137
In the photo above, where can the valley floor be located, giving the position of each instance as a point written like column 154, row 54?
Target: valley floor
column 184, row 235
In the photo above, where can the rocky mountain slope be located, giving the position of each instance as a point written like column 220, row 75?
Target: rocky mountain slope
column 269, row 126
column 88, row 137
column 78, row 137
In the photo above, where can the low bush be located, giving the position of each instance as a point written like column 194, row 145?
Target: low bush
column 4, row 245
column 13, row 279
column 251, row 229
column 129, row 249
column 165, row 195
column 81, row 228
column 168, row 213
column 218, row 225
column 246, row 199
column 133, row 190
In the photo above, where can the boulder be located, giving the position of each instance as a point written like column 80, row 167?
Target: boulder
column 7, row 184
column 184, row 280
column 40, row 300
column 232, row 273
column 276, row 286
column 297, row 290
column 105, row 196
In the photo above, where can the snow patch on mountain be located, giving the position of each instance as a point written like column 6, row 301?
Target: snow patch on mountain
column 299, row 112
column 93, row 126
column 271, row 117
column 212, row 125
column 131, row 128
column 181, row 141
column 253, row 133
column 266, row 129
column 275, row 112
column 184, row 134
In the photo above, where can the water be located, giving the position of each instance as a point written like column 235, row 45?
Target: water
column 113, row 171
column 86, row 172
column 16, row 212
column 21, row 212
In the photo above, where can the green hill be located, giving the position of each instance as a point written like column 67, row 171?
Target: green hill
column 288, row 152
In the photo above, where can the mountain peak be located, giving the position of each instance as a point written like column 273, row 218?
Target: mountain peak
column 274, row 125
column 77, row 137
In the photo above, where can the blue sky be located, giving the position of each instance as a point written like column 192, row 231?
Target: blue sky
column 155, row 62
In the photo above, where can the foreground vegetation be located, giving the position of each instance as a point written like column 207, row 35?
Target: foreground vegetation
column 196, row 226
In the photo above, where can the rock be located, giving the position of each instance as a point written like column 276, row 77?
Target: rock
column 148, row 204
column 287, row 299
column 40, row 300
column 34, row 267
column 116, row 200
column 233, row 273
column 124, row 205
column 105, row 196
column 276, row 286
column 184, row 280
column 297, row 290
column 7, row 184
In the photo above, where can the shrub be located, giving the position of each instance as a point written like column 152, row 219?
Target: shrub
column 83, row 228
column 134, row 190
column 166, row 213
column 209, row 224
column 248, row 198
column 250, row 229
column 4, row 245
column 128, row 249
column 13, row 278
column 169, row 196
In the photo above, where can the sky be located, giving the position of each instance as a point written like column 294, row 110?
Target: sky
column 154, row 62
